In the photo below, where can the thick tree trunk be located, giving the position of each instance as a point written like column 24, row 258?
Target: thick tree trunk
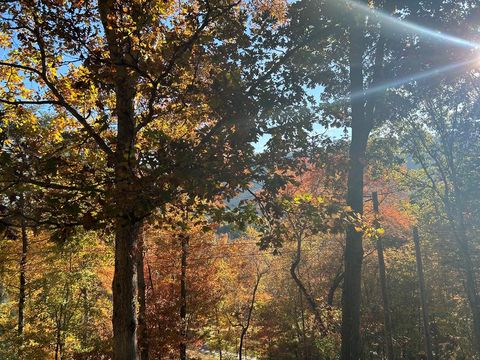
column 125, row 191
column 125, row 291
column 387, row 319
column 423, row 296
column 142, row 299
column 351, row 340
column 351, row 296
column 22, row 281
column 183, row 298
column 362, row 114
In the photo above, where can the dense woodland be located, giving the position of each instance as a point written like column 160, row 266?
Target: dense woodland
column 223, row 179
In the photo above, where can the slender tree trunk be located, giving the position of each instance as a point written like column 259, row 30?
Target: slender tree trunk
column 249, row 317
column 59, row 344
column 301, row 287
column 453, row 199
column 57, row 349
column 86, row 316
column 457, row 224
column 23, row 270
column 423, row 296
column 471, row 290
column 460, row 233
column 463, row 240
column 183, row 298
column 150, row 279
column 219, row 342
column 387, row 318
column 335, row 284
column 142, row 300
column 306, row 354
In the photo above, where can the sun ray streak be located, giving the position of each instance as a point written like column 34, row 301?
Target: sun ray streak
column 414, row 77
column 405, row 80
column 406, row 27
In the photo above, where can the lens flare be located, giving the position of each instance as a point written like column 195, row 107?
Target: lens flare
column 407, row 27
column 398, row 25
column 414, row 77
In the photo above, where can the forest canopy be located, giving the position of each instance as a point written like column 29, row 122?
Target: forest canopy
column 258, row 179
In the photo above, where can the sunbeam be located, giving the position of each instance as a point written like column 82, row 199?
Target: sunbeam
column 415, row 77
column 405, row 80
column 405, row 26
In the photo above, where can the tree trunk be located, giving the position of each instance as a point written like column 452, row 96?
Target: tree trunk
column 86, row 316
column 306, row 354
column 362, row 119
column 183, row 298
column 23, row 281
column 219, row 342
column 351, row 295
column 303, row 290
column 457, row 224
column 423, row 296
column 125, row 292
column 142, row 300
column 59, row 344
column 337, row 280
column 455, row 210
column 125, row 192
column 249, row 317
column 387, row 319
column 471, row 289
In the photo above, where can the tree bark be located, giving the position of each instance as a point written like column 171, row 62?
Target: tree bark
column 23, row 270
column 387, row 319
column 125, row 191
column 351, row 295
column 423, row 296
column 301, row 287
column 219, row 340
column 142, row 299
column 337, row 280
column 183, row 298
column 125, row 292
column 306, row 354
column 249, row 317
column 363, row 111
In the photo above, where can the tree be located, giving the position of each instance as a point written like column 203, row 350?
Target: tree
column 444, row 166
column 423, row 296
column 67, row 299
column 355, row 87
column 132, row 78
column 387, row 323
